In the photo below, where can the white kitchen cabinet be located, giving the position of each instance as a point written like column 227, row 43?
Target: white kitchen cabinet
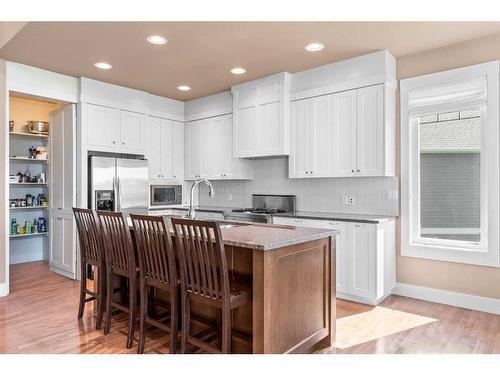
column 103, row 127
column 113, row 130
column 370, row 131
column 261, row 117
column 132, row 132
column 165, row 149
column 311, row 138
column 177, row 150
column 62, row 194
column 209, row 151
column 364, row 132
column 344, row 133
column 365, row 257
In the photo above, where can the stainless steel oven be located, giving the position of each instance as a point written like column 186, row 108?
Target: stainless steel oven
column 165, row 195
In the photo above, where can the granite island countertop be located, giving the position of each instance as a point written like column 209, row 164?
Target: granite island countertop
column 357, row 218
column 257, row 236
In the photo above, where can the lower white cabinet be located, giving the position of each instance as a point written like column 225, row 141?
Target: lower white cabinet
column 62, row 241
column 365, row 257
column 209, row 151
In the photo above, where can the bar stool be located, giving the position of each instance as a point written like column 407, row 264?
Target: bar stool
column 120, row 261
column 205, row 280
column 91, row 253
column 157, row 269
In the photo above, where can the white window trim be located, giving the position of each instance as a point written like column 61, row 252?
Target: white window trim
column 487, row 253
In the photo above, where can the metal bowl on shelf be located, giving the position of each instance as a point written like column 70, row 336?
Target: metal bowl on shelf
column 38, row 127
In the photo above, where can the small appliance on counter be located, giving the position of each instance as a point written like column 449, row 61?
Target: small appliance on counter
column 165, row 195
column 263, row 207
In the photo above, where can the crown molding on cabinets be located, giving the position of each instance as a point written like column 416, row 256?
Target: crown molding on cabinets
column 367, row 70
column 209, row 106
column 43, row 83
column 166, row 108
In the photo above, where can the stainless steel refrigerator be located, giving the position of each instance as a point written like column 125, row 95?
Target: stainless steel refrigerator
column 119, row 184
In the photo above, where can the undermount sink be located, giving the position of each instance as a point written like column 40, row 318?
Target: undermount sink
column 227, row 226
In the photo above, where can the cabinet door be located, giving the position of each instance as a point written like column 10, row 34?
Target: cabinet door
column 344, row 133
column 208, row 142
column 132, row 132
column 62, row 239
column 235, row 168
column 177, row 150
column 321, row 139
column 153, row 147
column 370, row 131
column 245, row 112
column 300, row 150
column 103, row 127
column 216, row 156
column 193, row 142
column 341, row 255
column 166, row 136
column 361, row 260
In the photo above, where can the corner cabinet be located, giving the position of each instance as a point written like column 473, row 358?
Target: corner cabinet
column 114, row 130
column 209, row 151
column 345, row 134
column 365, row 257
column 165, row 149
column 261, row 117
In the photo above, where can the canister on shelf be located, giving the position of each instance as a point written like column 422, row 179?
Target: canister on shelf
column 27, row 226
column 13, row 227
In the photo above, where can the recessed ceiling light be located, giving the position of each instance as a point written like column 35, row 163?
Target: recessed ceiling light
column 103, row 65
column 238, row 70
column 183, row 88
column 314, row 47
column 156, row 39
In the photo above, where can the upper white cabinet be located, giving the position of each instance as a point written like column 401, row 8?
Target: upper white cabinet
column 132, row 131
column 350, row 133
column 261, row 117
column 114, row 130
column 311, row 138
column 165, row 149
column 209, row 151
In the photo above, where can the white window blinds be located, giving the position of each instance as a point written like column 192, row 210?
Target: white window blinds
column 453, row 94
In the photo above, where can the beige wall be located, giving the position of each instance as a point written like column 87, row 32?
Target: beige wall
column 3, row 180
column 481, row 281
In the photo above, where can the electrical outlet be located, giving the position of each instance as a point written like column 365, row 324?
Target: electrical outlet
column 351, row 199
column 345, row 199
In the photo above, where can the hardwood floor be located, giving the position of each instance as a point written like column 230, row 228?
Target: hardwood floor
column 40, row 316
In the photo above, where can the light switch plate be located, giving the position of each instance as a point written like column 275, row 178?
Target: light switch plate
column 345, row 199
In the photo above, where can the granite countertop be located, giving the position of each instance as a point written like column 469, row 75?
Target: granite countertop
column 358, row 218
column 265, row 236
column 269, row 237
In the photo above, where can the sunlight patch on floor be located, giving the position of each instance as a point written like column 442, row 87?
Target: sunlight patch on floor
column 374, row 324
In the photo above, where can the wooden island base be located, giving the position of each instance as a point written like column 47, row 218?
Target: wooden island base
column 293, row 307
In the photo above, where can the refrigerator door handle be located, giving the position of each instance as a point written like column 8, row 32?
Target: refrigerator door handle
column 119, row 194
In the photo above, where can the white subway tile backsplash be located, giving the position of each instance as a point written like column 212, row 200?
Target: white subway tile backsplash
column 320, row 195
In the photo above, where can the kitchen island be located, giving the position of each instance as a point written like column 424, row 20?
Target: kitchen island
column 292, row 271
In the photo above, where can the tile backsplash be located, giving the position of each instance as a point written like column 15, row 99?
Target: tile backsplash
column 318, row 194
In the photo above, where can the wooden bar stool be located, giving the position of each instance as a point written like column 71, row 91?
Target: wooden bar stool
column 120, row 261
column 91, row 253
column 157, row 269
column 205, row 280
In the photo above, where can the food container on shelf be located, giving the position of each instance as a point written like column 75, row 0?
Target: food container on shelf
column 41, row 153
column 11, row 125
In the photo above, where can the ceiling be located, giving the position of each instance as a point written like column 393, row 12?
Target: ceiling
column 200, row 54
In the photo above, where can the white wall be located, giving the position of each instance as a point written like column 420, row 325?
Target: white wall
column 320, row 195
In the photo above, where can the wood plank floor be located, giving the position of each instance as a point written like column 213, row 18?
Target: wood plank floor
column 39, row 316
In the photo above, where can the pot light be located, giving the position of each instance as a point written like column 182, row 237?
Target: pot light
column 238, row 70
column 156, row 39
column 314, row 47
column 103, row 65
column 183, row 88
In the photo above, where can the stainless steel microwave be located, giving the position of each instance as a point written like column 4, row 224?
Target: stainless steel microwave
column 165, row 195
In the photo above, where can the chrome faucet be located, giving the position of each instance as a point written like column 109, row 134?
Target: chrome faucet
column 191, row 212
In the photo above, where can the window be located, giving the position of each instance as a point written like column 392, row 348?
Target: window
column 450, row 165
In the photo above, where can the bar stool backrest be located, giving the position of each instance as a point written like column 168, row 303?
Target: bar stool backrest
column 89, row 235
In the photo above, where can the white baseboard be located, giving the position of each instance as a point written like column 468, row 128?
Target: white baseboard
column 25, row 258
column 446, row 297
column 3, row 290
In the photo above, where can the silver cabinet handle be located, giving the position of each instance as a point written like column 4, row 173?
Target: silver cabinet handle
column 307, row 172
column 311, row 172
column 358, row 170
column 114, row 142
column 123, row 143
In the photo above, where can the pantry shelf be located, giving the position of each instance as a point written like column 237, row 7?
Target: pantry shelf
column 29, row 135
column 25, row 158
column 17, row 236
column 27, row 184
column 33, row 208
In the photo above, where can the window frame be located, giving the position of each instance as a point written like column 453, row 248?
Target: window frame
column 487, row 251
